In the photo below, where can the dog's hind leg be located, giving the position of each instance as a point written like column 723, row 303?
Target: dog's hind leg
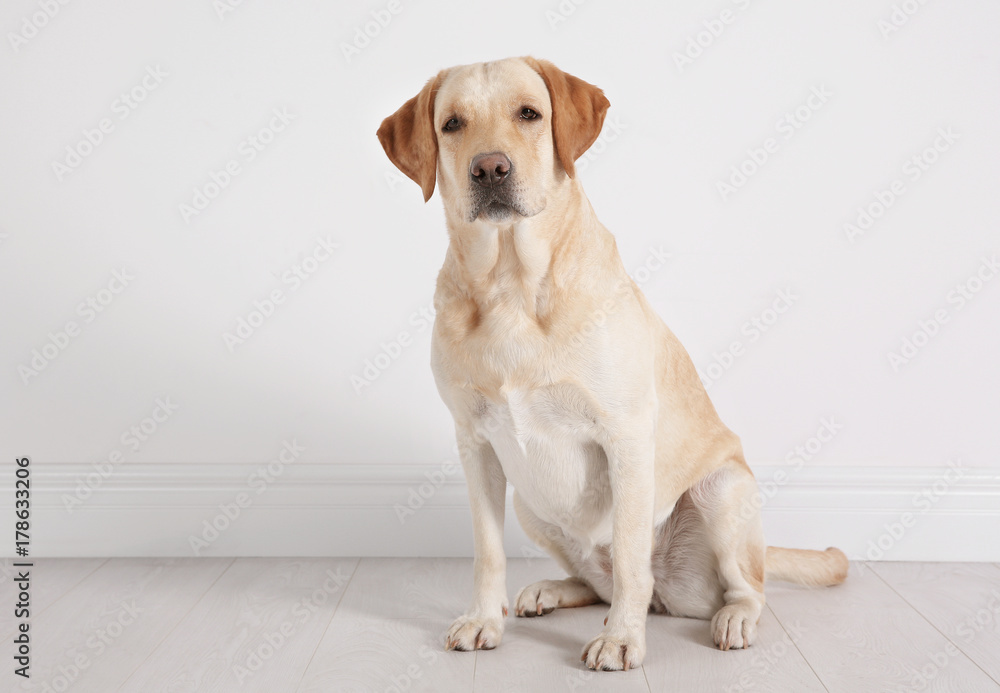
column 733, row 531
column 546, row 596
column 543, row 597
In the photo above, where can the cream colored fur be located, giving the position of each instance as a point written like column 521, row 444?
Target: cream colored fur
column 563, row 381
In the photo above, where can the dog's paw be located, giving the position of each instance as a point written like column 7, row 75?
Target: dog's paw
column 537, row 599
column 734, row 626
column 544, row 597
column 610, row 653
column 470, row 633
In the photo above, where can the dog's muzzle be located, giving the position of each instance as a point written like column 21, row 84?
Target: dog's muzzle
column 494, row 192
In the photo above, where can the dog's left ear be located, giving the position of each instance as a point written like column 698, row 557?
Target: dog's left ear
column 410, row 140
column 578, row 110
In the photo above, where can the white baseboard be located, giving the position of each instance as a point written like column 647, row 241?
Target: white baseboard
column 877, row 513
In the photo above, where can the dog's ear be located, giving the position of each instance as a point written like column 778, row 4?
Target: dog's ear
column 578, row 110
column 410, row 140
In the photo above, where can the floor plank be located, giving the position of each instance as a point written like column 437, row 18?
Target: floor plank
column 361, row 654
column 255, row 629
column 543, row 654
column 409, row 588
column 106, row 625
column 682, row 657
column 962, row 600
column 379, row 624
column 51, row 578
column 861, row 637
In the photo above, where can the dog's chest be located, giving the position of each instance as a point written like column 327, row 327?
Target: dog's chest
column 544, row 439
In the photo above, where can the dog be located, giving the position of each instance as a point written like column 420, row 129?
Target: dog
column 563, row 381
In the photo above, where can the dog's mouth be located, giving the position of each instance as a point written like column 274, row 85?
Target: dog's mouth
column 497, row 211
column 497, row 205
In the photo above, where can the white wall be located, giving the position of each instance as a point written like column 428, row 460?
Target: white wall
column 674, row 132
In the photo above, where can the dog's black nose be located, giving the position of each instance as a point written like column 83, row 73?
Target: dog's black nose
column 490, row 170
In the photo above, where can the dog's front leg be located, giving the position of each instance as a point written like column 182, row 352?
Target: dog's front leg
column 481, row 627
column 622, row 643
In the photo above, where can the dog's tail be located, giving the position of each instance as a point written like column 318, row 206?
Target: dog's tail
column 806, row 567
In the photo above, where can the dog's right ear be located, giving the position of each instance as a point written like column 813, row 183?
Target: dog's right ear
column 410, row 140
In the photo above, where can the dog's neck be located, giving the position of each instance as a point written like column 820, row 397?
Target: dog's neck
column 510, row 265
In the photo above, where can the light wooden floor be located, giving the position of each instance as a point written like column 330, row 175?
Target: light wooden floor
column 377, row 625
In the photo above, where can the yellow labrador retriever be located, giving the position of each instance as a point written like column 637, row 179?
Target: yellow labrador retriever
column 564, row 382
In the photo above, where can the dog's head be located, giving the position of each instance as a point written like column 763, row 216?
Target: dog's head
column 495, row 136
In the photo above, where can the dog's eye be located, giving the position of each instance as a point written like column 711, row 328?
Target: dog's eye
column 451, row 125
column 528, row 114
